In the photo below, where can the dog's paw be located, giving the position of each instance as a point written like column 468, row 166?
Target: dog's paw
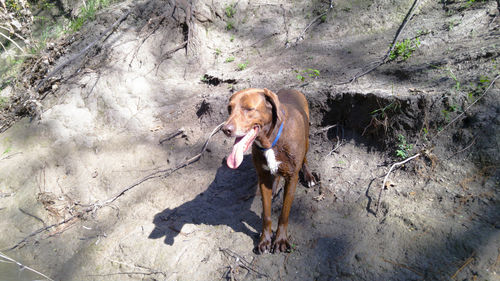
column 264, row 245
column 281, row 245
column 311, row 184
column 310, row 179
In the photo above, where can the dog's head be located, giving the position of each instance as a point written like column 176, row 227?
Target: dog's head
column 252, row 112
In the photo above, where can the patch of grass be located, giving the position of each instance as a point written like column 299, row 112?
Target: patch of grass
column 229, row 25
column 3, row 101
column 404, row 49
column 232, row 38
column 230, row 10
column 229, row 59
column 218, row 52
column 382, row 112
column 477, row 89
column 404, row 148
column 309, row 72
column 454, row 77
column 471, row 2
column 50, row 32
column 87, row 13
column 243, row 66
column 446, row 112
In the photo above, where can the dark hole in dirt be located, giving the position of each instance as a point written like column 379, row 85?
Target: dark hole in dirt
column 203, row 109
column 369, row 119
column 215, row 81
column 399, row 73
column 185, row 31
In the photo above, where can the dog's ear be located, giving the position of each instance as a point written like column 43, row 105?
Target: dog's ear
column 272, row 98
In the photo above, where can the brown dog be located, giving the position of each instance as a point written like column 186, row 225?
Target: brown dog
column 278, row 127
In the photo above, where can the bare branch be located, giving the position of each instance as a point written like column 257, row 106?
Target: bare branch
column 103, row 35
column 12, row 41
column 387, row 176
column 22, row 266
column 409, row 15
column 468, row 107
column 92, row 208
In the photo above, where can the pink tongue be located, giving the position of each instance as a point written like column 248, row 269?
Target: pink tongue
column 240, row 146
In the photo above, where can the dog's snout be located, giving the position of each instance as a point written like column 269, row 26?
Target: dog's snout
column 228, row 129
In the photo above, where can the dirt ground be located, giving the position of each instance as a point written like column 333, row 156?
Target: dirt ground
column 102, row 118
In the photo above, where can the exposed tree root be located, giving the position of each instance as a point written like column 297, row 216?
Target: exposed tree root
column 22, row 266
column 387, row 176
column 104, row 35
column 301, row 36
column 93, row 208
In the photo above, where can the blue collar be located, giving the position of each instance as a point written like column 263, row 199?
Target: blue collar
column 275, row 139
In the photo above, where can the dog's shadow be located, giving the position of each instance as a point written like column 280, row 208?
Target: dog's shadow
column 227, row 201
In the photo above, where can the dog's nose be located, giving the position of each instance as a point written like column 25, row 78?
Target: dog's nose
column 228, row 129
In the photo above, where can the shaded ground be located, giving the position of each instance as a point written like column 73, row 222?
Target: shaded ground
column 99, row 132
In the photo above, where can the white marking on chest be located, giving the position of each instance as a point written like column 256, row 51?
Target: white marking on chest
column 272, row 164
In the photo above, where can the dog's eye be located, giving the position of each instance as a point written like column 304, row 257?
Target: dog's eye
column 249, row 108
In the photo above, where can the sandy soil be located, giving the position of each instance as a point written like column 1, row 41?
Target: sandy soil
column 100, row 127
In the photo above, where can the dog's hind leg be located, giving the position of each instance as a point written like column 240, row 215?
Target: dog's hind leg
column 308, row 176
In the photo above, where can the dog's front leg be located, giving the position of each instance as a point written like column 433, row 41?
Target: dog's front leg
column 266, row 190
column 280, row 243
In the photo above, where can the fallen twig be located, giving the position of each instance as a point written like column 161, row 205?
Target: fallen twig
column 301, row 36
column 340, row 141
column 168, row 53
column 79, row 54
column 387, row 176
column 40, row 231
column 242, row 262
column 12, row 41
column 92, row 208
column 464, row 149
column 325, row 129
column 172, row 135
column 130, row 272
column 468, row 107
column 408, row 16
column 254, row 43
column 31, row 215
column 10, row 156
column 404, row 266
column 22, row 266
column 469, row 260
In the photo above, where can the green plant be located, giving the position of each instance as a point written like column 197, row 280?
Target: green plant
column 218, row 52
column 232, row 38
column 309, row 72
column 323, row 18
column 242, row 66
column 3, row 101
column 446, row 112
column 229, row 25
column 382, row 112
column 470, row 2
column 404, row 148
column 452, row 75
column 404, row 49
column 230, row 10
column 88, row 12
column 229, row 59
column 425, row 133
column 476, row 89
